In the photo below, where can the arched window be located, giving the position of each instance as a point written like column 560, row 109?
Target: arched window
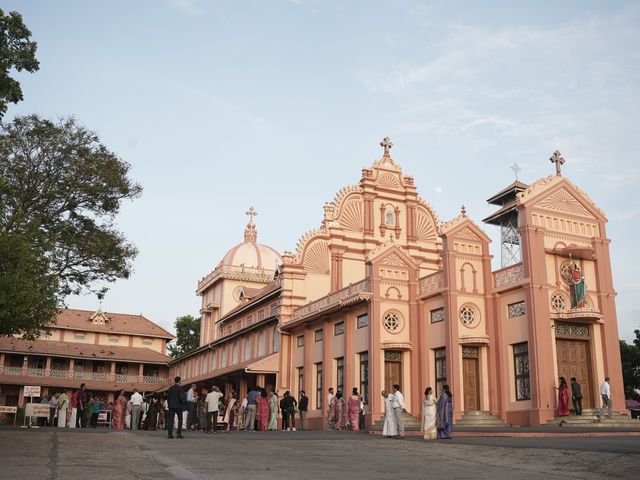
column 225, row 357
column 262, row 344
column 214, row 360
column 235, row 354
column 276, row 339
column 247, row 348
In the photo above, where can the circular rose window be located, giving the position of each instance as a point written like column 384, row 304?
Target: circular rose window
column 558, row 302
column 469, row 316
column 392, row 322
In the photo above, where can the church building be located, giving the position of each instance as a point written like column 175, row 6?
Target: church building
column 384, row 292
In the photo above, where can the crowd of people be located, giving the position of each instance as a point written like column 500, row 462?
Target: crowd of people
column 562, row 409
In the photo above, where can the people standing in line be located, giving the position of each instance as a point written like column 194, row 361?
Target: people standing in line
column 263, row 410
column 136, row 409
column 175, row 400
column 399, row 408
column 429, row 414
column 191, row 407
column 605, row 393
column 338, row 411
column 444, row 414
column 273, row 410
column 242, row 411
column 330, row 409
column 288, row 405
column 53, row 409
column 73, row 408
column 390, row 428
column 252, row 407
column 576, row 396
column 303, row 406
column 81, row 414
column 213, row 406
column 95, row 412
column 563, row 398
column 63, row 406
column 353, row 410
column 230, row 408
column 119, row 410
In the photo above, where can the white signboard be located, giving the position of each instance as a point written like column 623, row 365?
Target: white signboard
column 8, row 409
column 37, row 410
column 32, row 390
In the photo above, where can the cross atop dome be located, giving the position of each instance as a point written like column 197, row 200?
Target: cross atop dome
column 250, row 233
column 558, row 160
column 252, row 213
column 386, row 144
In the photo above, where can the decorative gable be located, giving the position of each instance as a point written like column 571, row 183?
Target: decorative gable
column 467, row 234
column 99, row 318
column 562, row 201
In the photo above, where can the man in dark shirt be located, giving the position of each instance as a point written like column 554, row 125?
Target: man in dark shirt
column 288, row 407
column 175, row 399
column 303, row 405
column 576, row 396
column 81, row 414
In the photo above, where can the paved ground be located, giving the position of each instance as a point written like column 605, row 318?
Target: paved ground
column 50, row 453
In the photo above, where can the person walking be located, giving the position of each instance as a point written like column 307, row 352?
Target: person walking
column 605, row 393
column 175, row 400
column 81, row 414
column 252, row 407
column 330, row 409
column 429, row 414
column 303, row 406
column 398, row 409
column 353, row 410
column 390, row 428
column 563, row 398
column 444, row 414
column 289, row 412
column 63, row 406
column 576, row 396
column 136, row 409
column 213, row 406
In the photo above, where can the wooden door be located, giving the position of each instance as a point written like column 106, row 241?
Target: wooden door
column 392, row 375
column 471, row 384
column 574, row 361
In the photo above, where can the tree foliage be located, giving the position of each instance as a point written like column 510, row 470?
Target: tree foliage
column 631, row 367
column 187, row 335
column 60, row 190
column 18, row 52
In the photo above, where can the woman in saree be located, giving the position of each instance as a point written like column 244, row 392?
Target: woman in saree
column 273, row 406
column 353, row 410
column 338, row 410
column 263, row 411
column 153, row 413
column 389, row 429
column 229, row 411
column 563, row 399
column 119, row 410
column 444, row 414
column 429, row 414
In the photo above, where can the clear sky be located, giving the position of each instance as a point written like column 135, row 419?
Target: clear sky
column 220, row 105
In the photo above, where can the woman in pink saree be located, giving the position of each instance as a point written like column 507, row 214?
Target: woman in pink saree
column 263, row 412
column 353, row 410
column 563, row 399
column 119, row 409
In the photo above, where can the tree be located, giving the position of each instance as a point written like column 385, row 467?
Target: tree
column 61, row 189
column 630, row 355
column 18, row 52
column 187, row 335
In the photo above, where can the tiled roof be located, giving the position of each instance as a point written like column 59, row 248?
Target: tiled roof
column 81, row 350
column 116, row 323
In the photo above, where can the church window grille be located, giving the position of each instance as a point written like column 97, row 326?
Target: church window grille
column 558, row 302
column 437, row 315
column 340, row 374
column 392, row 356
column 364, row 376
column 521, row 364
column 517, row 309
column 468, row 316
column 300, row 379
column 441, row 369
column 571, row 330
column 319, row 386
column 392, row 322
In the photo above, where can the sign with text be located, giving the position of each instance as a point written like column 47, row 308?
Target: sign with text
column 8, row 409
column 37, row 410
column 32, row 390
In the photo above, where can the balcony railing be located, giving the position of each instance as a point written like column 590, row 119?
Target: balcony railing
column 508, row 275
column 59, row 373
column 13, row 370
column 36, row 372
column 121, row 378
column 155, row 380
column 363, row 287
column 86, row 376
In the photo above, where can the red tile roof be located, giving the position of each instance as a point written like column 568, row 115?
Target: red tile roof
column 119, row 323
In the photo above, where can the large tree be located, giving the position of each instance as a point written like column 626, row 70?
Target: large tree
column 631, row 367
column 17, row 52
column 61, row 189
column 187, row 336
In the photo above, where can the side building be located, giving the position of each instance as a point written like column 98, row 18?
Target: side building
column 106, row 351
column 383, row 292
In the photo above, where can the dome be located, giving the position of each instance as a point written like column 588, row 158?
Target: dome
column 251, row 254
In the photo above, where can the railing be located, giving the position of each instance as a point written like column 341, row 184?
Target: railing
column 59, row 373
column 121, row 378
column 87, row 376
column 155, row 380
column 13, row 370
column 36, row 372
column 363, row 286
column 91, row 376
column 431, row 283
column 509, row 275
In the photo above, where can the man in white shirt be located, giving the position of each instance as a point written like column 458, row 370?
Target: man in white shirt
column 136, row 409
column 213, row 402
column 398, row 409
column 191, row 407
column 605, row 393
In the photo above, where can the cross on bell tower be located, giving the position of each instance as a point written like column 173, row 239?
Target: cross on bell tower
column 558, row 160
column 386, row 143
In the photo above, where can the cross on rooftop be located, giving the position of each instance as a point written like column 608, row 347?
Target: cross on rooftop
column 516, row 169
column 386, row 144
column 558, row 160
column 252, row 213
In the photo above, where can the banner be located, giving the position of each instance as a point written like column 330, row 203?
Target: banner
column 8, row 409
column 37, row 410
column 32, row 390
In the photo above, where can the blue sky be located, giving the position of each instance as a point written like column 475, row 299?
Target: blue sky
column 221, row 105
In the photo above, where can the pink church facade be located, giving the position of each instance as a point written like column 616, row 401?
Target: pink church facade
column 383, row 292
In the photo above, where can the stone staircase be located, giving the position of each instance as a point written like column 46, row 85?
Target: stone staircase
column 589, row 419
column 411, row 424
column 478, row 419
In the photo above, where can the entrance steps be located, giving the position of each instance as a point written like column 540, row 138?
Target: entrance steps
column 479, row 419
column 411, row 424
column 589, row 419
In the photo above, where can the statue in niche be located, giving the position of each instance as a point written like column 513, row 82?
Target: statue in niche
column 573, row 276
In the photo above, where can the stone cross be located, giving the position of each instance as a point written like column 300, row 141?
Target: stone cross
column 516, row 169
column 252, row 213
column 386, row 144
column 558, row 160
